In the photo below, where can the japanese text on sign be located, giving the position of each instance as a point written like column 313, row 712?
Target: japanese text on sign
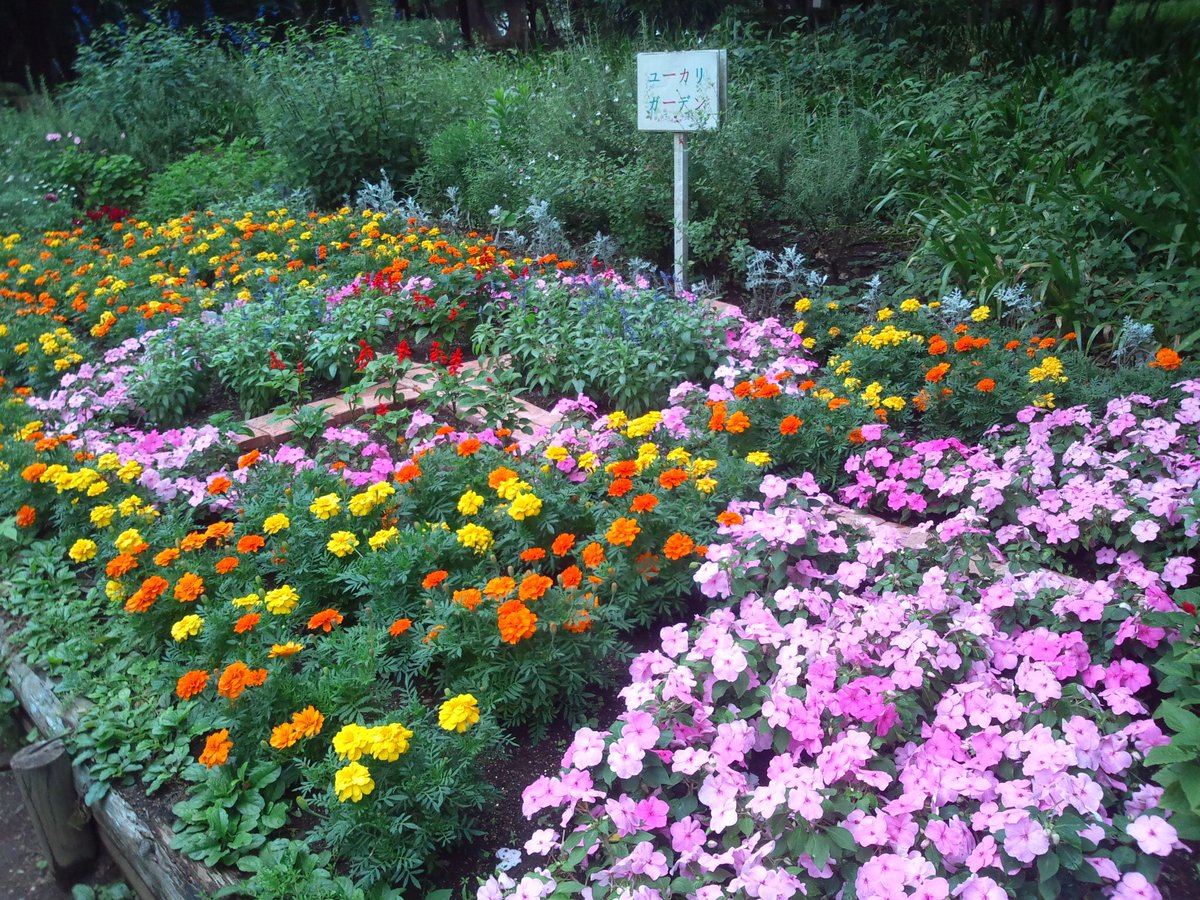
column 680, row 91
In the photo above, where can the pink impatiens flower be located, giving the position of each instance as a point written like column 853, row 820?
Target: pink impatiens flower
column 1154, row 834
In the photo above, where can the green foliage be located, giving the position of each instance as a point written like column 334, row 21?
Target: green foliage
column 171, row 379
column 1178, row 763
column 98, row 179
column 286, row 869
column 155, row 93
column 219, row 176
column 628, row 346
column 229, row 812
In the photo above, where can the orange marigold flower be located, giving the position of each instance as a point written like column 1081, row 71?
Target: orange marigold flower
column 562, row 544
column 166, row 557
column 643, row 503
column 921, row 400
column 737, row 423
column 1012, row 345
column 620, row 487
column 516, row 622
column 433, row 579
column 764, row 390
column 742, row 389
column 247, row 623
column 672, row 478
column 856, row 437
column 937, row 373
column 571, row 577
column 468, row 447
column 1166, row 359
column 986, row 385
column 533, row 554
column 278, row 651
column 143, row 598
column 216, row 748
column 500, row 475
column 622, row 532
column 1046, row 343
column 646, row 564
column 533, row 586
column 33, row 472
column 1070, row 336
column 838, row 403
column 729, row 518
column 121, row 565
column 246, row 460
column 400, row 626
column 622, row 468
column 716, row 421
column 191, row 683
column 433, row 633
column 26, row 516
column 284, row 736
column 250, row 543
column 193, row 541
column 593, row 555
column 219, row 485
column 237, row 677
column 790, row 425
column 226, row 565
column 500, row 587
column 807, row 385
column 407, row 472
column 579, row 622
column 443, row 430
column 219, row 531
column 309, row 721
column 961, row 328
column 469, row 598
column 189, row 588
column 937, row 345
column 678, row 546
column 325, row 620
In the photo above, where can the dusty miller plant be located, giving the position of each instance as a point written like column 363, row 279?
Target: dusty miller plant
column 1135, row 344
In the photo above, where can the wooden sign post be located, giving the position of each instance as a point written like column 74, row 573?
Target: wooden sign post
column 681, row 92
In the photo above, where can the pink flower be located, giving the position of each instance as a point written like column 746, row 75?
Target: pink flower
column 625, row 758
column 1025, row 840
column 1154, row 835
column 1134, row 886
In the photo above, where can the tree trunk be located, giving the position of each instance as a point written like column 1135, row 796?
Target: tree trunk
column 64, row 828
column 464, row 23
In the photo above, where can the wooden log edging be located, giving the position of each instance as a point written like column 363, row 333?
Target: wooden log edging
column 140, row 848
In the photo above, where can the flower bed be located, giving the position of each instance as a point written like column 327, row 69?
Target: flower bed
column 331, row 639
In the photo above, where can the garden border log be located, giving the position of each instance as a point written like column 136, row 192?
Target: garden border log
column 45, row 780
column 141, row 849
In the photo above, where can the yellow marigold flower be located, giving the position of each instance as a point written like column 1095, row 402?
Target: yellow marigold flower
column 643, row 425
column 702, row 467
column 128, row 539
column 380, row 491
column 382, row 538
column 1046, row 401
column 326, row 506
column 459, row 713
column 647, row 453
column 283, row 650
column 911, row 305
column 475, row 536
column 131, row 470
column 353, row 782
column 588, row 461
column 115, row 591
column 352, row 741
column 342, row 543
column 102, row 516
column 852, row 383
column 276, row 523
column 893, row 403
column 616, row 420
column 247, row 602
column 97, row 489
column 525, row 506
column 557, row 454
column 82, row 550
column 809, row 343
column 361, row 504
column 281, row 600
column 799, row 327
column 803, row 305
column 981, row 313
column 129, row 505
column 884, row 314
column 389, row 742
column 188, row 626
column 510, row 489
column 706, row 485
column 470, row 503
column 843, row 369
column 679, row 455
column 758, row 458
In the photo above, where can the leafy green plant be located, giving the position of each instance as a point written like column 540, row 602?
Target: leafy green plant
column 221, row 175
column 171, row 379
column 229, row 812
column 284, row 869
